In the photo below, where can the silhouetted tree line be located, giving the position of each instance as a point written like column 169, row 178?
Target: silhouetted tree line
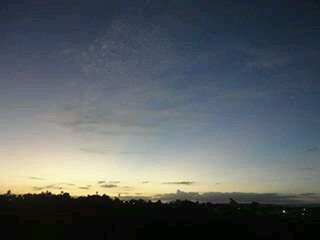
column 60, row 216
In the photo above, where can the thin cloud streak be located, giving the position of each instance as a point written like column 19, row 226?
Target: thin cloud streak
column 94, row 151
column 180, row 183
column 108, row 185
column 114, row 182
column 85, row 187
column 48, row 187
column 36, row 178
column 312, row 149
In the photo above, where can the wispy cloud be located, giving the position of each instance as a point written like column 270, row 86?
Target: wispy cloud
column 104, row 151
column 108, row 185
column 120, row 96
column 48, row 187
column 36, row 178
column 67, row 184
column 114, row 182
column 127, row 188
column 264, row 59
column 55, row 186
column 305, row 169
column 108, row 182
column 309, row 194
column 130, row 152
column 117, row 100
column 38, row 188
column 180, row 183
column 312, row 149
column 87, row 187
column 94, row 151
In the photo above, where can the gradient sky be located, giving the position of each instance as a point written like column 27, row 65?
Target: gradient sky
column 148, row 97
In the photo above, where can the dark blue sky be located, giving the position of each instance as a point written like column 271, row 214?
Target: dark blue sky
column 199, row 91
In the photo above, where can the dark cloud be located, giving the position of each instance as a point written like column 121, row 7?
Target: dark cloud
column 56, row 186
column 36, row 178
column 108, row 183
column 180, row 183
column 37, row 188
column 85, row 187
column 312, row 149
column 145, row 182
column 109, row 186
column 48, row 187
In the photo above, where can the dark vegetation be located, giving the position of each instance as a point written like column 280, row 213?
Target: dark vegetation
column 48, row 216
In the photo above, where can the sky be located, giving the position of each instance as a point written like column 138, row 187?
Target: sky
column 164, row 99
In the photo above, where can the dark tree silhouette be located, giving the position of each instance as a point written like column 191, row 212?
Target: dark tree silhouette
column 50, row 216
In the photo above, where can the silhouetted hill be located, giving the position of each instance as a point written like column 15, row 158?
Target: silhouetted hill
column 49, row 216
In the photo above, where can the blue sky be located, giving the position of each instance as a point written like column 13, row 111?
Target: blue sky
column 163, row 91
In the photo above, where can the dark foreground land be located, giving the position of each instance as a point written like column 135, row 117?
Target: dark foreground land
column 48, row 216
